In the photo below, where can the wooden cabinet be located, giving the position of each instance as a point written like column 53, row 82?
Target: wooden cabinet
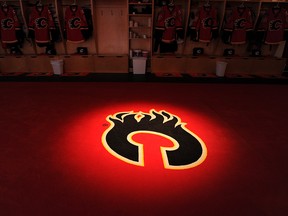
column 111, row 27
column 123, row 28
column 111, row 64
column 13, row 64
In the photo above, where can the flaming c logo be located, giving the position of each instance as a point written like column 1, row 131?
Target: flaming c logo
column 188, row 149
column 7, row 23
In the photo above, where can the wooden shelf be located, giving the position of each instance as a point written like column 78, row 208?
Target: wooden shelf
column 140, row 4
column 141, row 15
column 140, row 27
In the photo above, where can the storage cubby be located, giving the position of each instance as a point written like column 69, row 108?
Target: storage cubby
column 39, row 63
column 200, row 64
column 168, row 64
column 110, row 64
column 76, row 63
column 267, row 66
column 13, row 64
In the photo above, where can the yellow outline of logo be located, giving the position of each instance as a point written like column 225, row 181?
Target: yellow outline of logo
column 164, row 150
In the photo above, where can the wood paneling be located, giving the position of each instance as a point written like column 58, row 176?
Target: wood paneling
column 11, row 64
column 112, row 30
column 200, row 65
column 40, row 64
column 167, row 64
column 77, row 63
column 110, row 64
column 268, row 66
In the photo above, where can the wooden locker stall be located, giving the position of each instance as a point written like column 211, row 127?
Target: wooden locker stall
column 78, row 55
column 111, row 28
column 183, row 6
column 27, row 8
column 85, row 7
column 23, row 45
column 166, row 62
column 209, row 48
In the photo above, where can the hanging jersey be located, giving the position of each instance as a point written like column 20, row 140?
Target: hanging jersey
column 9, row 25
column 41, row 22
column 169, row 21
column 239, row 22
column 274, row 22
column 204, row 22
column 75, row 23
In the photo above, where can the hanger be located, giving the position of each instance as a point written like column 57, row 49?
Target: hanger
column 39, row 4
column 276, row 6
column 4, row 4
column 207, row 3
column 73, row 6
column 241, row 5
column 171, row 3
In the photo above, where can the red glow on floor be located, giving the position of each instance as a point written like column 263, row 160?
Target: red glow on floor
column 85, row 158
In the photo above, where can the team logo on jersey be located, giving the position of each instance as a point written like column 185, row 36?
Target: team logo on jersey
column 170, row 22
column 207, row 22
column 239, row 23
column 275, row 25
column 7, row 23
column 41, row 23
column 75, row 23
column 188, row 149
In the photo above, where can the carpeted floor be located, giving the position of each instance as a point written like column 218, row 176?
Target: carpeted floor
column 53, row 162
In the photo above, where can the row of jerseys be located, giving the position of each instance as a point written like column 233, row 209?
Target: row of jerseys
column 41, row 24
column 273, row 23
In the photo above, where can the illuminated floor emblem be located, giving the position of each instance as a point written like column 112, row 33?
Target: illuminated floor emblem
column 188, row 149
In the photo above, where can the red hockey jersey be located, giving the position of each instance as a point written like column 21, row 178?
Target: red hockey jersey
column 205, row 21
column 9, row 25
column 274, row 22
column 239, row 22
column 75, row 22
column 41, row 22
column 169, row 20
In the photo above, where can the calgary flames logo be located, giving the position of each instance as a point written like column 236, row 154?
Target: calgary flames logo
column 275, row 25
column 188, row 149
column 240, row 23
column 207, row 22
column 7, row 24
column 41, row 23
column 74, row 23
column 170, row 22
